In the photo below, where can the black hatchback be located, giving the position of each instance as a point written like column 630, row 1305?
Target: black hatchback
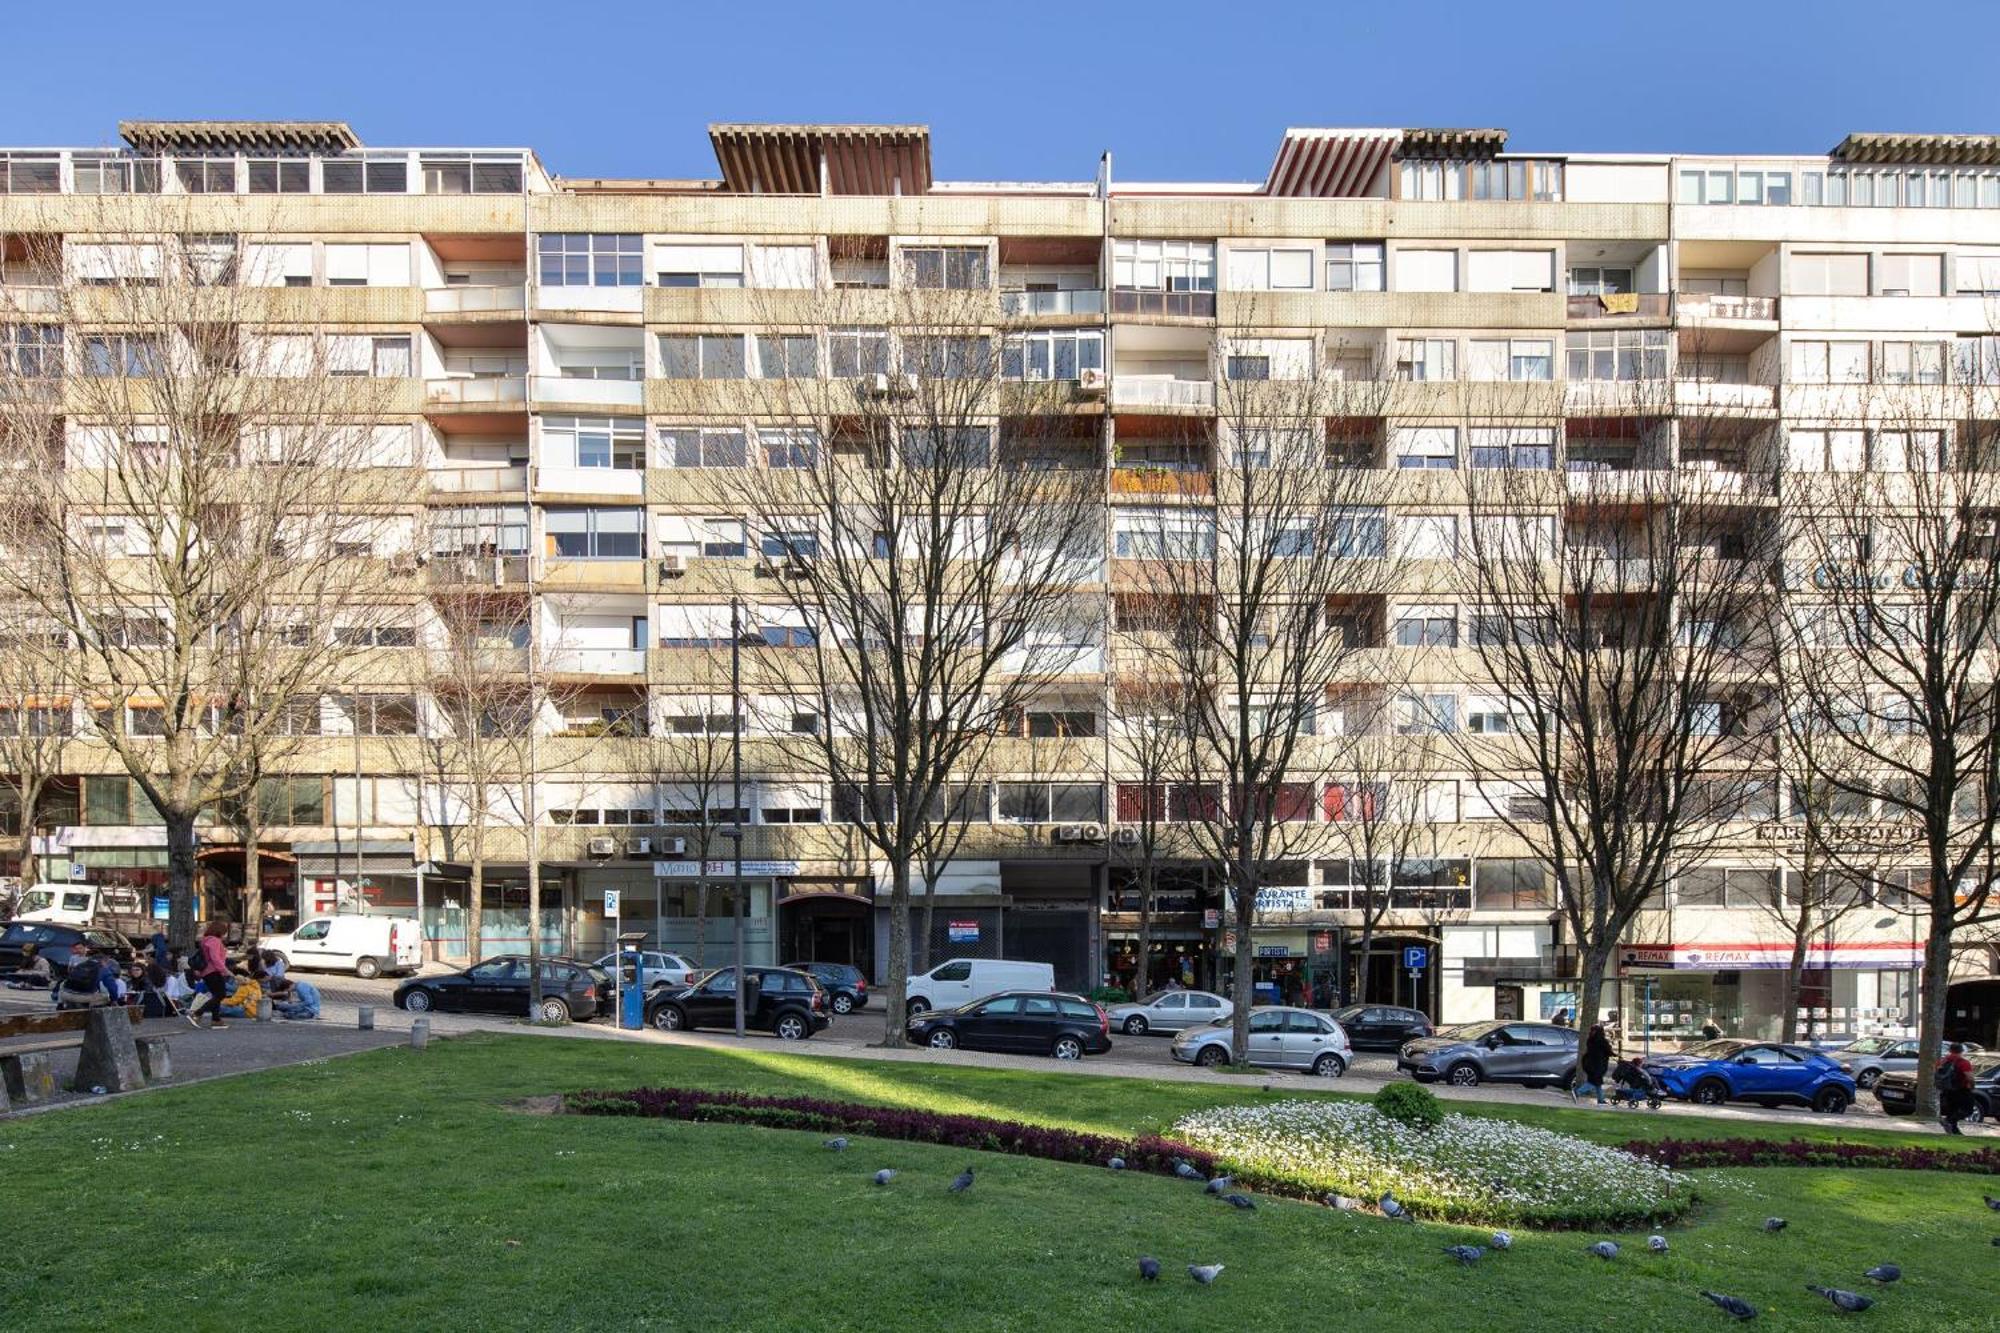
column 775, row 999
column 55, row 943
column 571, row 988
column 846, row 987
column 1068, row 1027
column 1381, row 1027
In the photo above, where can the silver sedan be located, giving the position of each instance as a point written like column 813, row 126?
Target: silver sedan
column 1170, row 1011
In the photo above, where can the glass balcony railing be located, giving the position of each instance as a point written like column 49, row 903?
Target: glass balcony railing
column 1088, row 302
column 475, row 300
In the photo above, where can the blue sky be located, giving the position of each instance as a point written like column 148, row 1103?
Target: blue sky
column 1013, row 91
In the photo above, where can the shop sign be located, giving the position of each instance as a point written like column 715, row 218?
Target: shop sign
column 961, row 932
column 1275, row 900
column 1274, row 951
column 1761, row 955
column 1322, row 941
column 723, row 869
column 1210, row 918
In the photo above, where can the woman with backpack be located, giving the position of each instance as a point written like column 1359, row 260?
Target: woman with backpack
column 212, row 964
column 1596, row 1062
column 1954, row 1088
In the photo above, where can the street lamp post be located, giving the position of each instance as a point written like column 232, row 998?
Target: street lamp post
column 736, row 795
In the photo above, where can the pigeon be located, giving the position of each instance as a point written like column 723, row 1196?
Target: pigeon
column 885, row 1175
column 1340, row 1201
column 1991, row 1202
column 1467, row 1255
column 1851, row 1302
column 1501, row 1240
column 1390, row 1208
column 1204, row 1273
column 1184, row 1170
column 1605, row 1249
column 1116, row 1164
column 1657, row 1244
column 1884, row 1273
column 1149, row 1269
column 1774, row 1224
column 836, row 1145
column 1733, row 1306
column 1216, row 1186
column 1242, row 1201
column 962, row 1182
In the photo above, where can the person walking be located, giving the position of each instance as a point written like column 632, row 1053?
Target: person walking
column 1954, row 1088
column 1596, row 1062
column 212, row 966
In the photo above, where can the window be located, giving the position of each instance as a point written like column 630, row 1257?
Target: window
column 1511, row 884
column 1618, row 354
column 1163, row 266
column 122, row 354
column 596, row 534
column 854, row 352
column 789, row 447
column 1358, row 532
column 703, row 447
column 1815, row 362
column 1977, row 275
column 1427, row 270
column 1489, row 715
column 786, row 356
column 367, row 265
column 467, row 173
column 1048, row 802
column 107, row 174
column 1598, row 280
column 1055, row 355
column 1510, row 270
column 1354, row 267
column 1429, row 536
column 698, row 265
column 953, row 267
column 787, row 544
column 375, row 714
column 947, row 356
column 1510, row 359
column 480, row 530
column 1828, row 275
column 964, row 447
column 364, row 175
column 1913, row 363
column 584, row 259
column 702, row 356
column 1161, row 534
column 282, row 175
column 1425, row 448
column 1425, row 714
column 1248, row 367
column 617, row 443
column 702, row 537
column 1530, row 447
column 784, row 267
column 1423, row 359
column 1910, row 275
column 1726, row 888
column 1426, row 627
column 31, row 351
column 1260, row 270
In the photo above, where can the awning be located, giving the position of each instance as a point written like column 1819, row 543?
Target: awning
column 859, row 159
column 226, row 136
column 1331, row 164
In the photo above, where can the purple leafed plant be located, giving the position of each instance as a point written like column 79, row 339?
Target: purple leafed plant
column 1696, row 1154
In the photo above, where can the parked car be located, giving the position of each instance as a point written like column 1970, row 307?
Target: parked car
column 571, row 988
column 1493, row 1052
column 1731, row 1069
column 655, row 968
column 1381, row 1027
column 1067, row 1027
column 1868, row 1058
column 1281, row 1037
column 776, row 999
column 54, row 942
column 1897, row 1092
column 1170, row 1011
column 963, row 980
column 846, row 987
column 367, row 946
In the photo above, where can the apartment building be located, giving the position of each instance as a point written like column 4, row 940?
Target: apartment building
column 565, row 364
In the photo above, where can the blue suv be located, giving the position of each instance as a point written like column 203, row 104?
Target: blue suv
column 1768, row 1073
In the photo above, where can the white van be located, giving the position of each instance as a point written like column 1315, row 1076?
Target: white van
column 367, row 946
column 963, row 980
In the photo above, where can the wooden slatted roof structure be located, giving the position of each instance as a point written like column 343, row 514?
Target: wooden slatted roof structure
column 1454, row 145
column 228, row 136
column 1944, row 150
column 859, row 159
column 1332, row 164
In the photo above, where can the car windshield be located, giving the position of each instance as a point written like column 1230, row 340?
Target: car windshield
column 1470, row 1031
column 1869, row 1045
column 1348, row 1014
column 1715, row 1050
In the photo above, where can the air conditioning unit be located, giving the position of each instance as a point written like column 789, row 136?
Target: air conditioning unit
column 795, row 570
column 602, row 846
column 1091, row 383
column 1126, row 837
column 670, row 846
column 673, row 566
column 1068, row 832
column 875, row 386
column 638, row 846
column 1090, row 833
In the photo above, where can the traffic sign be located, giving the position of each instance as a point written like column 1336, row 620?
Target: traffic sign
column 611, row 902
column 1416, row 957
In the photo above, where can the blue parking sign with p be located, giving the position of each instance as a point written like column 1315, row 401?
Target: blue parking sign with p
column 1416, row 957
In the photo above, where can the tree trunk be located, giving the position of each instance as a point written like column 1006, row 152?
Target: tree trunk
column 1242, row 987
column 1590, row 990
column 1931, row 1008
column 899, row 953
column 1795, row 969
column 930, row 911
column 535, row 928
column 701, row 919
column 1142, row 980
column 253, row 882
column 31, row 799
column 475, row 893
column 181, row 926
column 1360, row 988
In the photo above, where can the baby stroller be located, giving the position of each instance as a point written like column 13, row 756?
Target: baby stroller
column 1636, row 1083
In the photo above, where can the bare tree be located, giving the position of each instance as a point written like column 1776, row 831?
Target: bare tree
column 38, row 723
column 193, row 502
column 689, row 754
column 1148, row 737
column 908, row 522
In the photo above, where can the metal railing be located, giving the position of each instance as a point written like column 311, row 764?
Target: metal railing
column 1187, row 305
column 1711, row 305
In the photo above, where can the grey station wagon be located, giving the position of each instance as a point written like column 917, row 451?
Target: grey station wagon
column 1475, row 1053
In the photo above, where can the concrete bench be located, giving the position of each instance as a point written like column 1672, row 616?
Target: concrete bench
column 28, row 1077
column 61, row 1021
column 111, row 1058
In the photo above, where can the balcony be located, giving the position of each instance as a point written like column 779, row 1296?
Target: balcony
column 1173, row 305
column 20, row 299
column 1715, row 396
column 483, row 393
column 1711, row 305
column 474, row 569
column 599, row 661
column 1625, row 305
column 478, row 480
column 1160, row 391
column 510, row 299
column 591, row 390
column 1087, row 302
column 1160, row 481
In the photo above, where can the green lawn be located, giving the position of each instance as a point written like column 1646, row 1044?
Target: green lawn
column 395, row 1189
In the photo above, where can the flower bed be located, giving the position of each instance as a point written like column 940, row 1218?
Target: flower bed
column 1695, row 1154
column 1149, row 1153
column 1468, row 1169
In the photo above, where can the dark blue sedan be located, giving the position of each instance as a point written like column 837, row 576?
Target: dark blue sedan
column 1767, row 1073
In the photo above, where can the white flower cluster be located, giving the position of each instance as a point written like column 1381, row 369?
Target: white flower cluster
column 1468, row 1163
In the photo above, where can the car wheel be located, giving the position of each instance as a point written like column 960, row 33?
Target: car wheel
column 843, row 1003
column 1980, row 1111
column 1710, row 1092
column 943, row 1039
column 669, row 1018
column 417, row 1001
column 1464, row 1074
column 1067, row 1048
column 1831, row 1101
column 1329, row 1065
column 553, row 1010
column 1135, row 1026
column 792, row 1027
column 1867, row 1078
column 1211, row 1056
column 916, row 1004
column 367, row 969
